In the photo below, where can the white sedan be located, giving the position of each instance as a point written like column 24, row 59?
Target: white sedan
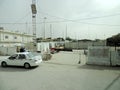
column 25, row 59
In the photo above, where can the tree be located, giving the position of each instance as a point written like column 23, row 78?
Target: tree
column 114, row 40
column 69, row 39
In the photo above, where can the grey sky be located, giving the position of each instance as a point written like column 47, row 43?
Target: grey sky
column 84, row 18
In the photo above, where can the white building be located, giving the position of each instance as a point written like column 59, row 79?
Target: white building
column 8, row 38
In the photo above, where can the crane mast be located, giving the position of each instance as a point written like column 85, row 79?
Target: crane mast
column 34, row 12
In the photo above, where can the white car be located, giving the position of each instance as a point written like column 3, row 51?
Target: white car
column 26, row 59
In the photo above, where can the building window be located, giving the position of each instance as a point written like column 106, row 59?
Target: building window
column 6, row 37
column 15, row 37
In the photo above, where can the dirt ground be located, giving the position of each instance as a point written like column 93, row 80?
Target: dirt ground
column 62, row 72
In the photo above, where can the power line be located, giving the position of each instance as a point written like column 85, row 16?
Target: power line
column 99, row 24
column 79, row 20
column 66, row 20
column 88, row 18
column 97, row 17
column 16, row 22
column 27, row 14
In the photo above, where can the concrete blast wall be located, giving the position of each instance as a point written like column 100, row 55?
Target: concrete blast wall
column 115, row 58
column 82, row 45
column 98, row 56
column 7, row 50
column 103, row 56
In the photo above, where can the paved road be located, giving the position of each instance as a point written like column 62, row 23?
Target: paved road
column 61, row 73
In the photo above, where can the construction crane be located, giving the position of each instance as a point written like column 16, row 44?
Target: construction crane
column 34, row 12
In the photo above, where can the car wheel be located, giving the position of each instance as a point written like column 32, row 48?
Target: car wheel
column 3, row 64
column 27, row 65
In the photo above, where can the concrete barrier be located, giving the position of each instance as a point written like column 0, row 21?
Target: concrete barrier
column 115, row 58
column 46, row 56
column 7, row 50
column 99, row 55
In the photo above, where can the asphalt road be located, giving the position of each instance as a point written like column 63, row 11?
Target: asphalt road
column 62, row 72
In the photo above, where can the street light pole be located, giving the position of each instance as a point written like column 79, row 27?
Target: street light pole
column 44, row 27
column 51, row 31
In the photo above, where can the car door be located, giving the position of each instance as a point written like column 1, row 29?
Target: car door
column 12, row 60
column 21, row 59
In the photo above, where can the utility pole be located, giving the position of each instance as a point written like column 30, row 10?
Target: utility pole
column 51, row 31
column 27, row 28
column 66, row 32
column 44, row 28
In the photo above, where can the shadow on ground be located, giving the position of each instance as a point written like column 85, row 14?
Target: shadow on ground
column 99, row 67
column 15, row 69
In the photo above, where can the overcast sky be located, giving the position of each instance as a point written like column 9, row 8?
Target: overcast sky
column 82, row 19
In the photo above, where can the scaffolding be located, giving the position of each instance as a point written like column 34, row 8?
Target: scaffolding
column 34, row 12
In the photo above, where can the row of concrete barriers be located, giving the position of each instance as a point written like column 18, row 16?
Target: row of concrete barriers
column 103, row 55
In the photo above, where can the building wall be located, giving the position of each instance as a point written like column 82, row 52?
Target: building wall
column 83, row 45
column 14, row 37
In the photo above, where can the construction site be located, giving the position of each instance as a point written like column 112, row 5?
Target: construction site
column 79, row 50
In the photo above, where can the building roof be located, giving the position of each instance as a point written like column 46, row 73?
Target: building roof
column 15, row 33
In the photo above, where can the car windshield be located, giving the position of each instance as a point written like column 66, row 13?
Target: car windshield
column 13, row 56
column 30, row 55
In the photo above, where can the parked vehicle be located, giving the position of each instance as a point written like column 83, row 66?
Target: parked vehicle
column 26, row 59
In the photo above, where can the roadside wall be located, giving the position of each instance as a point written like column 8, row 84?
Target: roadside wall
column 83, row 44
column 115, row 58
column 101, row 55
column 98, row 55
column 7, row 50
